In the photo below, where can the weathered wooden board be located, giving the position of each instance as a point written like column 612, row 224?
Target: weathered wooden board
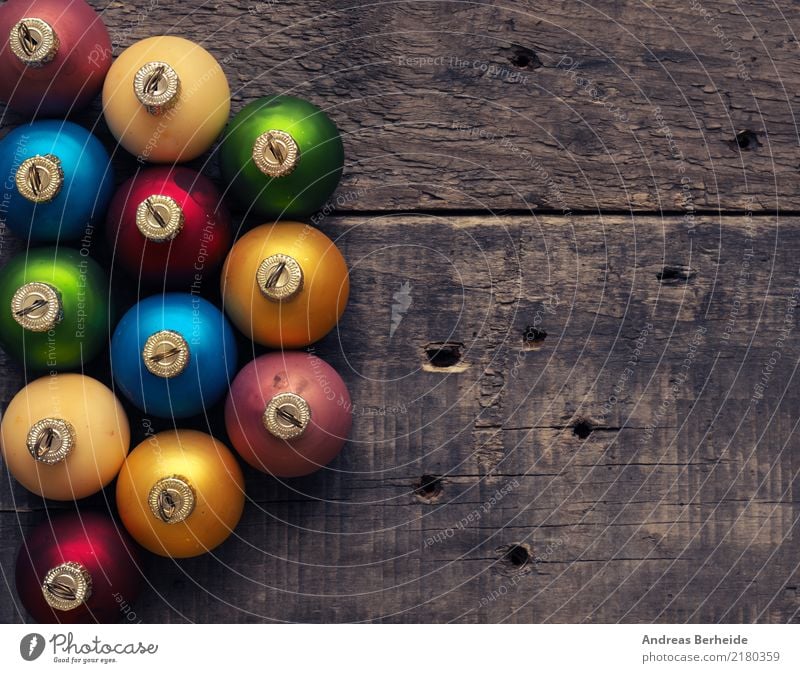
column 608, row 406
column 608, row 105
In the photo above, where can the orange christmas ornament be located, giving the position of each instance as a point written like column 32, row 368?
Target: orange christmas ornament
column 285, row 285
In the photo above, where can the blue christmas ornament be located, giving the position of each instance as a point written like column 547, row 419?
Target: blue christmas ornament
column 172, row 355
column 57, row 181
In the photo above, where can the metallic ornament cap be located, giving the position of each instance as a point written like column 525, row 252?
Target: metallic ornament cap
column 166, row 354
column 279, row 277
column 287, row 415
column 67, row 586
column 39, row 179
column 171, row 499
column 33, row 41
column 157, row 86
column 51, row 440
column 37, row 307
column 276, row 153
column 159, row 218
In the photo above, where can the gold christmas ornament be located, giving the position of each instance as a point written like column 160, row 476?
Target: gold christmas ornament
column 180, row 493
column 64, row 437
column 166, row 99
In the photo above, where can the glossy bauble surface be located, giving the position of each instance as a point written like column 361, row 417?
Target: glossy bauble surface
column 288, row 414
column 102, row 577
column 64, row 437
column 54, row 309
column 169, row 227
column 172, row 355
column 58, row 181
column 45, row 76
column 166, row 99
column 282, row 157
column 180, row 493
column 292, row 308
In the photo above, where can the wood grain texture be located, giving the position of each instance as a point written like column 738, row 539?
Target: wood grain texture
column 610, row 441
column 499, row 105
column 680, row 503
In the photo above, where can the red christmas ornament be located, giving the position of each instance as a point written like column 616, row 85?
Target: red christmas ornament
column 288, row 414
column 76, row 568
column 55, row 55
column 169, row 225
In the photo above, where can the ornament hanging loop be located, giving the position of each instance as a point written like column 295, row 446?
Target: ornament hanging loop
column 171, row 499
column 157, row 87
column 287, row 416
column 67, row 586
column 276, row 153
column 36, row 307
column 33, row 41
column 39, row 179
column 159, row 218
column 50, row 440
column 279, row 277
column 166, row 354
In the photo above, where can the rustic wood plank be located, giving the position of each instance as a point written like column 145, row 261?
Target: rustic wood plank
column 603, row 411
column 668, row 106
column 677, row 499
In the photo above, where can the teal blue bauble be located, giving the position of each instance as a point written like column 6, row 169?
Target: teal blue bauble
column 58, row 181
column 172, row 355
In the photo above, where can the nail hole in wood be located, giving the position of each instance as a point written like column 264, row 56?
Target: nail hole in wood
column 515, row 558
column 445, row 354
column 429, row 488
column 747, row 140
column 582, row 428
column 672, row 274
column 525, row 58
column 532, row 337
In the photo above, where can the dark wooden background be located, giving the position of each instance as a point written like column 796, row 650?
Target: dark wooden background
column 596, row 209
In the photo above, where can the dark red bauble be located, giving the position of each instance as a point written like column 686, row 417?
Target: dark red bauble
column 299, row 384
column 92, row 545
column 169, row 226
column 64, row 77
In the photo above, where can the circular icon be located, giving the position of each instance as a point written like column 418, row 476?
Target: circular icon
column 31, row 646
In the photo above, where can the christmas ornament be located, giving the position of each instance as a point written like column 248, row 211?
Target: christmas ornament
column 172, row 355
column 64, row 437
column 282, row 156
column 180, row 493
column 285, row 285
column 77, row 567
column 288, row 414
column 54, row 57
column 54, row 311
column 166, row 99
column 58, row 181
column 169, row 226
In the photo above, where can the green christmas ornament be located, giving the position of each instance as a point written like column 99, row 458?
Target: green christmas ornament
column 282, row 156
column 54, row 311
